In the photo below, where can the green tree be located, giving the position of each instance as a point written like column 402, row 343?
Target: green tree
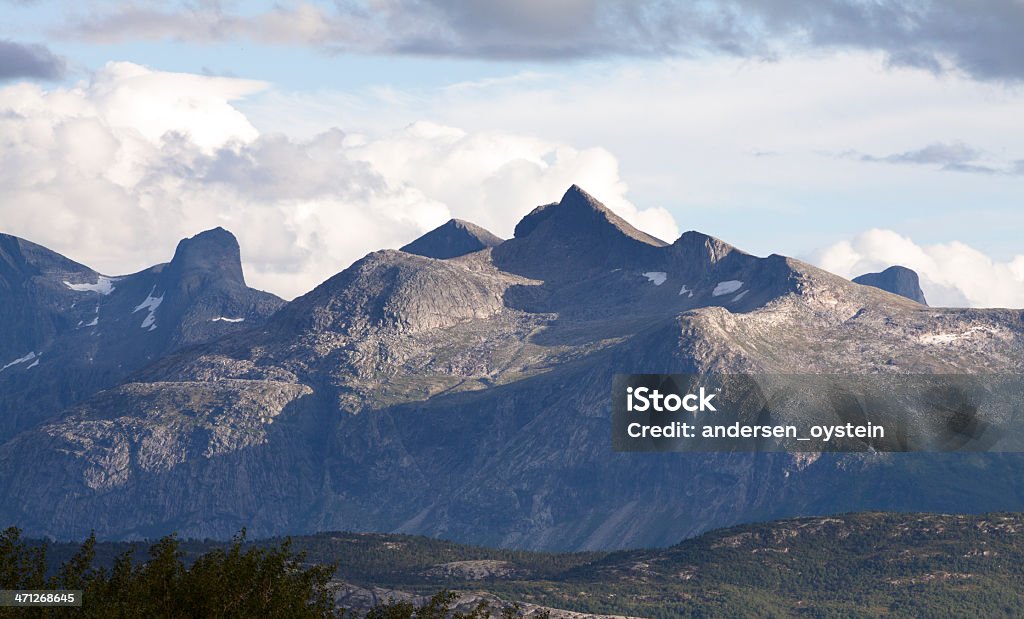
column 21, row 566
column 241, row 581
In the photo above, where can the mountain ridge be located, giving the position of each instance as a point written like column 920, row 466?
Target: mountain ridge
column 97, row 329
column 468, row 398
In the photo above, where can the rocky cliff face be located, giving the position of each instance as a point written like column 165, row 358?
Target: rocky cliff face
column 468, row 398
column 77, row 331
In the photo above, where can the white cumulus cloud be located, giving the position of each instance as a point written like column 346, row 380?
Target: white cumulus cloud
column 493, row 179
column 952, row 274
column 113, row 171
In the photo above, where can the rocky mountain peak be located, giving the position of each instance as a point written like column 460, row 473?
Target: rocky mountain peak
column 452, row 239
column 577, row 233
column 580, row 214
column 210, row 255
column 202, row 290
column 699, row 248
column 391, row 291
column 897, row 280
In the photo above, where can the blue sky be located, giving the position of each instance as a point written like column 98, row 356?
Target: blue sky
column 848, row 133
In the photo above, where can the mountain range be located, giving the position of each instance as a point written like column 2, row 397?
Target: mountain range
column 459, row 389
column 70, row 331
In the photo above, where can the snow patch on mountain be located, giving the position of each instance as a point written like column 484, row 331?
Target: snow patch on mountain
column 727, row 287
column 104, row 285
column 657, row 277
column 224, row 319
column 151, row 303
column 95, row 321
column 686, row 291
column 30, row 356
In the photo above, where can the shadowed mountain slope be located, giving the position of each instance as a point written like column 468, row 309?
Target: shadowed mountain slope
column 78, row 331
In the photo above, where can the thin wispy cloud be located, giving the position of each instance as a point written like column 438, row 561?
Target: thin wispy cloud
column 938, row 153
column 979, row 37
column 950, row 157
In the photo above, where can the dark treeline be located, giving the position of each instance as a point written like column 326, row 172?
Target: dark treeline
column 237, row 581
column 852, row 565
column 240, row 580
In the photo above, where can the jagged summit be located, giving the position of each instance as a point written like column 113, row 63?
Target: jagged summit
column 577, row 233
column 453, row 239
column 592, row 258
column 897, row 280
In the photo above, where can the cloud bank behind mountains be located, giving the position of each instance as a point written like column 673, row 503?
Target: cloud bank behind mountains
column 952, row 274
column 115, row 171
